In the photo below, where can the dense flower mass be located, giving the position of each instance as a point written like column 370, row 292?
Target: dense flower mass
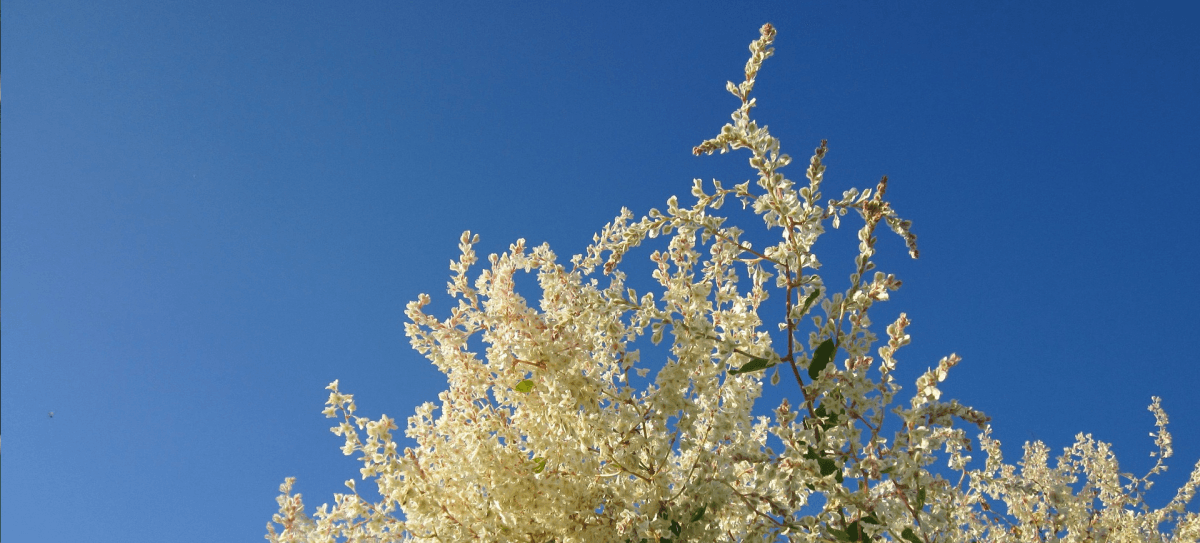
column 545, row 435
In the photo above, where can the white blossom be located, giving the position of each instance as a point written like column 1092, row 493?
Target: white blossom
column 544, row 437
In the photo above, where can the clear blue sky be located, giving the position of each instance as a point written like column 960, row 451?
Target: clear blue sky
column 211, row 210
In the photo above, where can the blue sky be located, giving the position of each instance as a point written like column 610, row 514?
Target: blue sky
column 212, row 210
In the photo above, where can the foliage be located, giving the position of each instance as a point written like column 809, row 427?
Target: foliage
column 545, row 437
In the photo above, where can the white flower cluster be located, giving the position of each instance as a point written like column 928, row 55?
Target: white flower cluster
column 544, row 436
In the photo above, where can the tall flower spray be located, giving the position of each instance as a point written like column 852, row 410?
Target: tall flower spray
column 545, row 437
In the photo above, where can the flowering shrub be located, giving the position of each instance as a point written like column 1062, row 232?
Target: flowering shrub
column 544, row 437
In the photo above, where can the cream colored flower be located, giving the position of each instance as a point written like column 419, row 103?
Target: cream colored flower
column 543, row 436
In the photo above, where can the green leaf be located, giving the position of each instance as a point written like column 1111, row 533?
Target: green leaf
column 808, row 301
column 699, row 514
column 841, row 535
column 920, row 499
column 539, row 464
column 821, row 358
column 676, row 528
column 828, row 467
column 871, row 519
column 852, row 530
column 524, row 386
column 910, row 536
column 828, row 420
column 754, row 364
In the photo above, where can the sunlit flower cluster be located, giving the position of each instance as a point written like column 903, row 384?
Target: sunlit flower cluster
column 547, row 430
